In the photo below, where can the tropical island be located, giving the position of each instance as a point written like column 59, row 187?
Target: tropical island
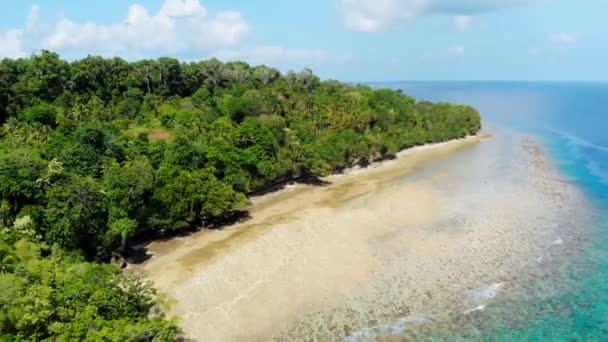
column 97, row 153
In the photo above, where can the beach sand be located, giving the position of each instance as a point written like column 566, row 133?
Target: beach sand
column 440, row 231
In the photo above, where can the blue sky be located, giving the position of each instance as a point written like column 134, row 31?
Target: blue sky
column 350, row 40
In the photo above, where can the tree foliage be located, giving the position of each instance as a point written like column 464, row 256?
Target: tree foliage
column 158, row 145
column 47, row 294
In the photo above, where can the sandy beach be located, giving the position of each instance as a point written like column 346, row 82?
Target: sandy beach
column 440, row 231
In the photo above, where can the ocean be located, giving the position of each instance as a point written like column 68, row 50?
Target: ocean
column 568, row 299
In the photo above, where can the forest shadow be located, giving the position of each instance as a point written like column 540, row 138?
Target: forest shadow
column 365, row 163
column 282, row 184
column 137, row 250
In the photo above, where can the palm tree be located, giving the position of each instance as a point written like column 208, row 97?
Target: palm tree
column 8, row 261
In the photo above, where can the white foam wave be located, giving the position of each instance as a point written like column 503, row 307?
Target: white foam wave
column 575, row 140
column 477, row 308
column 395, row 328
column 596, row 170
column 483, row 294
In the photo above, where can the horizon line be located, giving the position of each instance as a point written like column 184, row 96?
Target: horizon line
column 480, row 81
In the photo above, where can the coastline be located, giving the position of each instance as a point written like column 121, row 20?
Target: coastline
column 420, row 154
column 377, row 245
column 461, row 142
column 259, row 203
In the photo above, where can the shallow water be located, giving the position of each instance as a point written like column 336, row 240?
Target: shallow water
column 566, row 299
column 502, row 208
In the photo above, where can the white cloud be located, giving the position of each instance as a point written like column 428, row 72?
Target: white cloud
column 183, row 8
column 462, row 22
column 456, row 51
column 11, row 44
column 371, row 16
column 180, row 25
column 227, row 28
column 376, row 15
column 564, row 38
column 181, row 28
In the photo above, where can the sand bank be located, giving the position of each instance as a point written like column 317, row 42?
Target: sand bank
column 395, row 244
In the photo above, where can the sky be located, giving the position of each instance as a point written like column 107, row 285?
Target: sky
column 348, row 40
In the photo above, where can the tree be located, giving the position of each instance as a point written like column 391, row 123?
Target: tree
column 295, row 152
column 92, row 76
column 202, row 98
column 44, row 76
column 19, row 171
column 236, row 72
column 122, row 228
column 77, row 216
column 42, row 113
column 128, row 189
column 265, row 75
column 170, row 77
column 127, row 185
column 130, row 105
column 8, row 77
column 7, row 260
column 307, row 79
column 189, row 197
column 61, row 298
column 213, row 74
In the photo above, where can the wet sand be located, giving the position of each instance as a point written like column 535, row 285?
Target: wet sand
column 440, row 231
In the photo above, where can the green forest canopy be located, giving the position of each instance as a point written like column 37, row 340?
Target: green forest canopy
column 97, row 151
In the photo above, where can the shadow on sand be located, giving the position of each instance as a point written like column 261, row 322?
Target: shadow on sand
column 136, row 252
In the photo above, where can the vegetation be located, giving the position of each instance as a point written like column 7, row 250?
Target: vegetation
column 98, row 151
column 48, row 294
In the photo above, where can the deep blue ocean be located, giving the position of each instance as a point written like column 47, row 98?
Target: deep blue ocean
column 571, row 122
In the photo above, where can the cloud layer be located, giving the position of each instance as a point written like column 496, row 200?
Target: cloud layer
column 11, row 43
column 180, row 25
column 180, row 28
column 376, row 15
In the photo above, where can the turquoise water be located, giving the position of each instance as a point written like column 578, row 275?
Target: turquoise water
column 569, row 300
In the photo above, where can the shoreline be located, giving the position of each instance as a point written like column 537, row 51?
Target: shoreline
column 281, row 185
column 378, row 244
column 420, row 154
column 138, row 254
column 435, row 150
